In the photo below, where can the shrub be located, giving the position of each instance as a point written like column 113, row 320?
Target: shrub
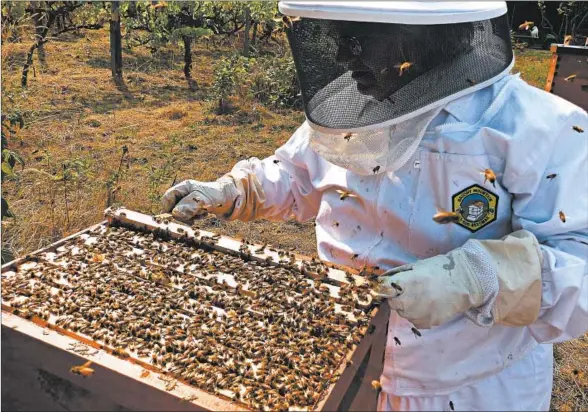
column 227, row 73
column 275, row 82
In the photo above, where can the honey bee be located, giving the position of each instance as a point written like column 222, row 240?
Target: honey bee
column 562, row 216
column 451, row 405
column 344, row 194
column 472, row 82
column 348, row 136
column 444, row 217
column 145, row 373
column 567, row 40
column 376, row 169
column 416, row 332
column 570, row 78
column 83, row 370
column 355, row 256
column 402, row 67
column 276, row 161
column 578, row 129
column 159, row 5
column 490, row 176
column 288, row 21
column 97, row 258
column 397, row 341
column 526, row 25
column 376, row 385
column 335, row 224
column 551, row 176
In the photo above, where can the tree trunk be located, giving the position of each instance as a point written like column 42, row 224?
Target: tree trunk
column 254, row 34
column 39, row 21
column 187, row 57
column 115, row 43
column 41, row 39
column 246, row 34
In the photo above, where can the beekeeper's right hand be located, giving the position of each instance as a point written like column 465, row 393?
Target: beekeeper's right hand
column 236, row 195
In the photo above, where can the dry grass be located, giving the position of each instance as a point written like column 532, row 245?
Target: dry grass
column 74, row 112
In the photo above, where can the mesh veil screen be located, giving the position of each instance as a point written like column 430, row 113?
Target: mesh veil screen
column 355, row 74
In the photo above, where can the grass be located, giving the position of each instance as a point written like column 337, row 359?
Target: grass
column 75, row 115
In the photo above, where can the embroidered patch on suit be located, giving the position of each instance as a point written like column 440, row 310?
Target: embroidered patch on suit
column 476, row 207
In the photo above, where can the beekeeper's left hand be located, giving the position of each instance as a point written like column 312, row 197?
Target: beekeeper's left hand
column 490, row 281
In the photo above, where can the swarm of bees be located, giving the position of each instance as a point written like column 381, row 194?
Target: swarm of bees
column 262, row 335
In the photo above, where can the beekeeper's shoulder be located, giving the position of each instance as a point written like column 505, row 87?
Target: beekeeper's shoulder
column 531, row 113
column 539, row 129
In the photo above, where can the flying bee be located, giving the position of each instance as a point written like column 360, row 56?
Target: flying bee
column 158, row 6
column 344, row 194
column 570, row 78
column 402, row 67
column 578, row 129
column 526, row 25
column 562, row 216
column 376, row 169
column 490, row 176
column 276, row 161
column 83, row 370
column 444, row 217
column 551, row 176
column 567, row 40
column 355, row 256
column 288, row 21
column 416, row 332
column 472, row 82
column 451, row 405
column 348, row 136
column 335, row 224
column 397, row 341
column 376, row 385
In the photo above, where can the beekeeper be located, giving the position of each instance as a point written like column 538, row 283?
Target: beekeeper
column 466, row 182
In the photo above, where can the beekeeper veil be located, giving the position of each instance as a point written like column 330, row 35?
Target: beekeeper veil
column 374, row 74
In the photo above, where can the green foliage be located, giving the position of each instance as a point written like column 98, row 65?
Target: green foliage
column 226, row 75
column 274, row 82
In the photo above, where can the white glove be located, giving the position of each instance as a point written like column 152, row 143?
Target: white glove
column 236, row 195
column 490, row 281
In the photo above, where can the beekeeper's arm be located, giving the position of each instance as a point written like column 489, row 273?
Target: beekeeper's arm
column 274, row 188
column 538, row 275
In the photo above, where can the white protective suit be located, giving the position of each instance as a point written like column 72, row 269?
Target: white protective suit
column 524, row 135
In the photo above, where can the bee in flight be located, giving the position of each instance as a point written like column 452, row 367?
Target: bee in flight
column 444, row 217
column 288, row 20
column 551, row 176
column 570, row 78
column 578, row 129
column 562, row 216
column 344, row 194
column 402, row 67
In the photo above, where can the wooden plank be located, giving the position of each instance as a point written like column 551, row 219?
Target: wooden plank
column 552, row 67
column 353, row 390
column 32, row 354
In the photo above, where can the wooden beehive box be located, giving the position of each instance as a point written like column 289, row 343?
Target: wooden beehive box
column 174, row 318
column 568, row 74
